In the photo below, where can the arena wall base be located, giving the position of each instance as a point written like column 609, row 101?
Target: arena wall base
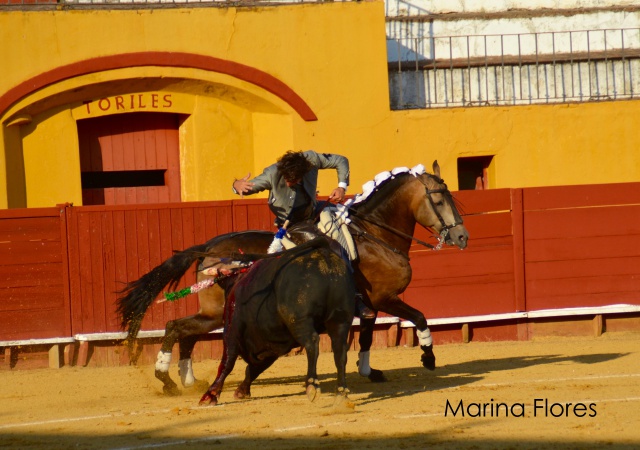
column 109, row 349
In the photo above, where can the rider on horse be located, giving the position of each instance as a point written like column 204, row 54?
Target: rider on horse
column 292, row 182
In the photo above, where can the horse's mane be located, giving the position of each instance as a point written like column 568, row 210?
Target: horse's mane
column 374, row 191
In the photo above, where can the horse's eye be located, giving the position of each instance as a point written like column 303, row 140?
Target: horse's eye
column 440, row 203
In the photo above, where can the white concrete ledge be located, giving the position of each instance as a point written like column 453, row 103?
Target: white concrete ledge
column 379, row 320
column 45, row 341
column 541, row 313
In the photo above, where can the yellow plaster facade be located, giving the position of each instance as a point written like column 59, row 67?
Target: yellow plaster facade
column 245, row 105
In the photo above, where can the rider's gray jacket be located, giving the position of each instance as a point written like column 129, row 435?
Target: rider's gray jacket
column 281, row 196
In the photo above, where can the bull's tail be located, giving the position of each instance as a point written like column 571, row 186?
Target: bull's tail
column 137, row 296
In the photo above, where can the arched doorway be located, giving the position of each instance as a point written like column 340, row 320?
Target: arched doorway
column 130, row 158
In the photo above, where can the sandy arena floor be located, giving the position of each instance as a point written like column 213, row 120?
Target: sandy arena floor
column 591, row 387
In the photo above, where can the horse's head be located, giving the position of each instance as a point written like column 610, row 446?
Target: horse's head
column 436, row 209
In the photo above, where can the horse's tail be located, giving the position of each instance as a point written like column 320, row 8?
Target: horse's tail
column 137, row 296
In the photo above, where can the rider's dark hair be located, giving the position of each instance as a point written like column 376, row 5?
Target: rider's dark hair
column 293, row 165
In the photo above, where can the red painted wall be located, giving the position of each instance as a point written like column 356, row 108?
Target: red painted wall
column 529, row 249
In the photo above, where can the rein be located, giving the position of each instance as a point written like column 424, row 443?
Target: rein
column 441, row 237
column 392, row 230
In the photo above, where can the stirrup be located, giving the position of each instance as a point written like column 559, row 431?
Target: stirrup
column 362, row 310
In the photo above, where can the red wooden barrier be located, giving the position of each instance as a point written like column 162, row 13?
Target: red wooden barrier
column 478, row 280
column 110, row 246
column 34, row 288
column 582, row 245
column 529, row 249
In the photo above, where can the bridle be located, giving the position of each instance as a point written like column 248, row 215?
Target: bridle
column 441, row 237
column 444, row 190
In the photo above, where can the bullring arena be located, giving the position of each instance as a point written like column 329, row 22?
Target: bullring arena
column 123, row 124
column 550, row 378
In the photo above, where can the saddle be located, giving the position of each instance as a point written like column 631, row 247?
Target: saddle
column 332, row 222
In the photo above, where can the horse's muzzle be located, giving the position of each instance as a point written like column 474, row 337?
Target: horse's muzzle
column 458, row 236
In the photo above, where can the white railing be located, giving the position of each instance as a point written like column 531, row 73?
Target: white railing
column 514, row 69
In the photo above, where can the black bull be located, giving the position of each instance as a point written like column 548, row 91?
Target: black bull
column 283, row 303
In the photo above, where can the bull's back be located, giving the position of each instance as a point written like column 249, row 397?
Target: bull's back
column 212, row 300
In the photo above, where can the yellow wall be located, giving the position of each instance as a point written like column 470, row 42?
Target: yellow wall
column 332, row 55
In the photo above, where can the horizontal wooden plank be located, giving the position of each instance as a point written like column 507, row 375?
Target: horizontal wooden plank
column 489, row 225
column 452, row 301
column 37, row 274
column 479, row 202
column 464, row 264
column 21, row 252
column 594, row 267
column 552, row 197
column 471, row 281
column 32, row 297
column 35, row 324
column 30, row 229
column 566, row 248
column 583, row 285
column 583, row 222
column 29, row 213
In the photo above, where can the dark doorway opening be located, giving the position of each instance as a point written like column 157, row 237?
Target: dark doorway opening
column 130, row 158
column 473, row 172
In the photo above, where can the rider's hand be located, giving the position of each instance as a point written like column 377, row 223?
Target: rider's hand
column 337, row 195
column 242, row 186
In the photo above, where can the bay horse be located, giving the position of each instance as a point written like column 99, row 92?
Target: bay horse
column 383, row 220
column 282, row 303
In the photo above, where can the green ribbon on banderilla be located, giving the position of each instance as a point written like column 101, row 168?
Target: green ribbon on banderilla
column 218, row 275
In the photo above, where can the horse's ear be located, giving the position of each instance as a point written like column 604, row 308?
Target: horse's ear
column 436, row 168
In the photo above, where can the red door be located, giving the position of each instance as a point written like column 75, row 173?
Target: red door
column 130, row 159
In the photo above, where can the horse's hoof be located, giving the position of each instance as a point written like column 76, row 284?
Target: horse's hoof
column 171, row 391
column 376, row 376
column 428, row 358
column 313, row 392
column 208, row 399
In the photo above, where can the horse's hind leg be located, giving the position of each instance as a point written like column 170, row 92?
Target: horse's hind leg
column 185, row 365
column 400, row 309
column 184, row 330
column 365, row 341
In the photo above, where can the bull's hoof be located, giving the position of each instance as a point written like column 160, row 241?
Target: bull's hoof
column 208, row 398
column 428, row 358
column 342, row 404
column 313, row 392
column 377, row 376
column 242, row 393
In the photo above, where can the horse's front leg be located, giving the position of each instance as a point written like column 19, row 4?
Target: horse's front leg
column 400, row 309
column 186, row 331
